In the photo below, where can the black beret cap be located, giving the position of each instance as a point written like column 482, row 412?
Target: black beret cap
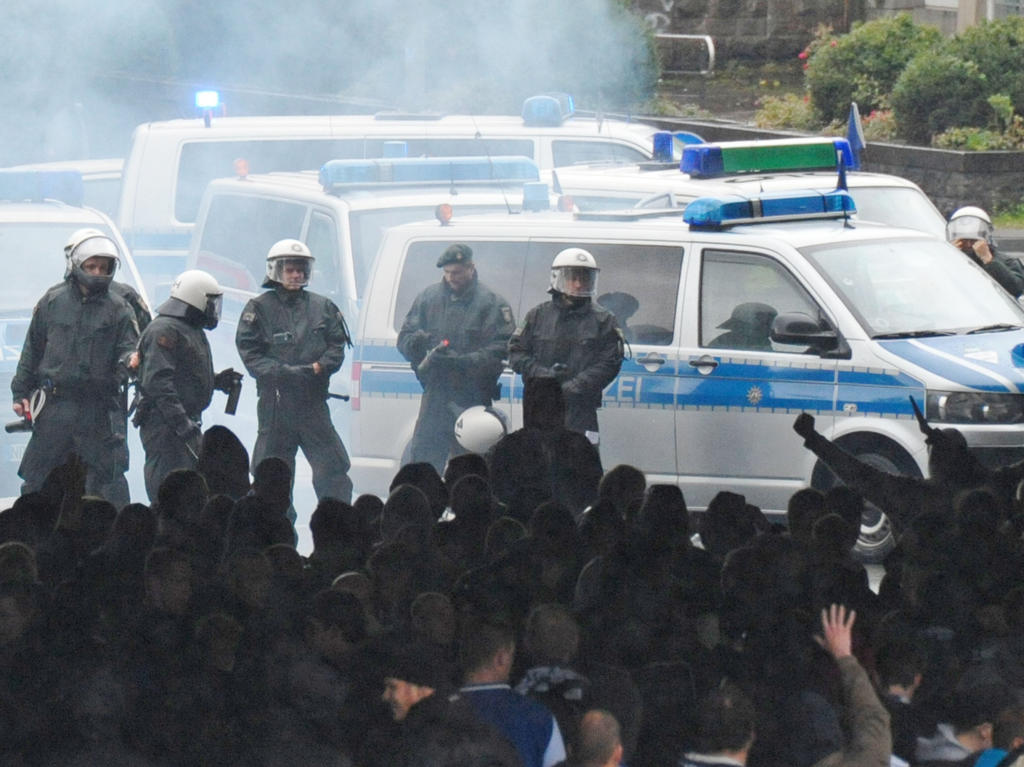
column 456, row 254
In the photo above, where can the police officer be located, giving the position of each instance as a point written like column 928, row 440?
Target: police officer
column 572, row 339
column 176, row 379
column 970, row 230
column 76, row 353
column 123, row 289
column 291, row 341
column 455, row 336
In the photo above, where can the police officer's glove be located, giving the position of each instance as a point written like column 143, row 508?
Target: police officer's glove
column 226, row 380
column 804, row 425
column 561, row 371
column 296, row 373
column 191, row 434
column 417, row 343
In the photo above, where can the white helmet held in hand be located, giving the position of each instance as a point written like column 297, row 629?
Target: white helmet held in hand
column 574, row 273
column 288, row 253
column 478, row 428
column 969, row 223
column 199, row 290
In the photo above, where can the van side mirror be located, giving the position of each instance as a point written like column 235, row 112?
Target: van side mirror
column 802, row 329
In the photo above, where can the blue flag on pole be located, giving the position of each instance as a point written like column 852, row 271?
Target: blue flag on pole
column 855, row 134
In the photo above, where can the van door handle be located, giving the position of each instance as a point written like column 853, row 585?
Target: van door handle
column 704, row 364
column 651, row 361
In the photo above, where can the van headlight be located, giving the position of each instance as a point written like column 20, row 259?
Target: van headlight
column 974, row 407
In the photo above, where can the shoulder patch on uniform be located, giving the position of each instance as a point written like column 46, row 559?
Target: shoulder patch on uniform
column 249, row 316
column 166, row 341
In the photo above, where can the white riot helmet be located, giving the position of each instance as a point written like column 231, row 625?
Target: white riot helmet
column 287, row 253
column 83, row 245
column 969, row 223
column 574, row 273
column 196, row 297
column 478, row 428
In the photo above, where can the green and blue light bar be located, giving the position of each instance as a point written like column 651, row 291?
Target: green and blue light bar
column 37, row 185
column 337, row 175
column 731, row 210
column 727, row 158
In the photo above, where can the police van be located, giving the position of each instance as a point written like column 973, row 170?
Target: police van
column 39, row 210
column 758, row 167
column 170, row 163
column 740, row 313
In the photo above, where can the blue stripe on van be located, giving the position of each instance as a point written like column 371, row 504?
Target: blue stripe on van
column 985, row 361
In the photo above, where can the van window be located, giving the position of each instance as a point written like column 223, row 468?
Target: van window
column 564, row 152
column 322, row 240
column 239, row 231
column 500, row 266
column 740, row 296
column 457, row 147
column 639, row 284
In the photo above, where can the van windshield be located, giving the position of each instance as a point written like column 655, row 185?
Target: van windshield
column 908, row 287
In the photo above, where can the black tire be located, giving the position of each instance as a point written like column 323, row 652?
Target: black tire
column 876, row 538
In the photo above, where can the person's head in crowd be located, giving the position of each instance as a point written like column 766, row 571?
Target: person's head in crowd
column 224, row 462
column 487, row 649
column 726, row 524
column 98, row 517
column 18, row 563
column 256, row 522
column 406, row 505
column 286, row 562
column 543, row 404
column 167, row 580
column 391, row 568
column 804, row 508
column 951, row 461
column 598, row 742
column 601, row 528
column 725, row 723
column 551, row 635
column 19, row 610
column 553, row 529
column 248, row 575
column 133, row 531
column 848, row 504
column 927, row 539
column 412, row 673
column 973, row 712
column 424, row 476
column 830, row 538
column 217, row 638
column 501, row 536
column 329, row 524
column 272, row 484
column 663, row 516
column 900, row 665
column 335, row 623
column 368, row 508
column 1008, row 729
column 623, row 485
column 459, row 466
column 978, row 514
column 359, row 585
column 433, row 618
column 179, row 501
column 471, row 501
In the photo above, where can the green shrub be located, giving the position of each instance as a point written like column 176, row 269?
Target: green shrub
column 864, row 65
column 997, row 47
column 937, row 91
column 788, row 111
column 983, row 139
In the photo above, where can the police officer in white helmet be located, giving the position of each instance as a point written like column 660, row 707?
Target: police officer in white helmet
column 176, row 379
column 571, row 338
column 970, row 230
column 292, row 341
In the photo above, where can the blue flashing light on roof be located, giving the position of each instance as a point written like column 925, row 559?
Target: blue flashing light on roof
column 337, row 175
column 739, row 157
column 38, row 185
column 207, row 99
column 548, row 109
column 535, row 196
column 663, row 141
column 720, row 212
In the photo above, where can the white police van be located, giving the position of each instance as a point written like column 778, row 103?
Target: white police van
column 170, row 163
column 39, row 210
column 758, row 166
column 839, row 317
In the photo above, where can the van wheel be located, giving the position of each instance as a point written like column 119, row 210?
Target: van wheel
column 876, row 538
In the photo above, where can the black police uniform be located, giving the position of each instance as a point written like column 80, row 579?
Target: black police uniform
column 280, row 335
column 477, row 324
column 176, row 382
column 77, row 350
column 582, row 336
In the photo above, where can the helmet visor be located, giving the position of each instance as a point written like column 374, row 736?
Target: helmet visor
column 102, row 247
column 968, row 228
column 212, row 313
column 292, row 272
column 576, row 281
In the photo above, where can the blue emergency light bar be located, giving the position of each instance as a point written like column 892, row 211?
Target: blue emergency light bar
column 38, row 185
column 665, row 144
column 728, row 158
column 730, row 210
column 338, row 175
column 548, row 109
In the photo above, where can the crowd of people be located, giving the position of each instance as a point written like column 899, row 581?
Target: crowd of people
column 463, row 620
